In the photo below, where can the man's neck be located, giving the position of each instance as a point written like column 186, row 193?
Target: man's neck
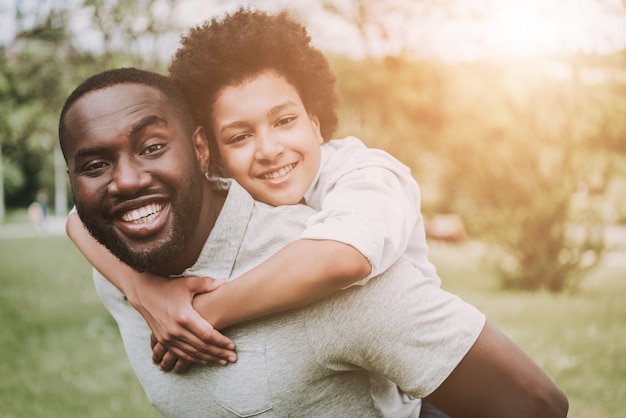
column 189, row 255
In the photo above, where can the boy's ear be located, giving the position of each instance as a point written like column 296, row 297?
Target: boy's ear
column 201, row 147
column 315, row 123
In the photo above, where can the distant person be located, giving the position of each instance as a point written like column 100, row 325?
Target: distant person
column 36, row 215
column 42, row 199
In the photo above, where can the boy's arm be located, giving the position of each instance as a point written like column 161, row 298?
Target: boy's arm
column 301, row 273
column 164, row 303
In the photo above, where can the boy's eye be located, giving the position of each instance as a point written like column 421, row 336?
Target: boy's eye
column 238, row 138
column 285, row 120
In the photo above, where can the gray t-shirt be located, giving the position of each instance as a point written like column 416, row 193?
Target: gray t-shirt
column 368, row 351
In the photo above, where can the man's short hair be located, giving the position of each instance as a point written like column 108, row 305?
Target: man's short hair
column 129, row 75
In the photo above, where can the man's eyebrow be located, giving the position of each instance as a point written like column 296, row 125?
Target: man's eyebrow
column 134, row 131
column 145, row 122
column 88, row 152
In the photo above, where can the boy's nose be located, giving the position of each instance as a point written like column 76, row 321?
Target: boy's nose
column 268, row 148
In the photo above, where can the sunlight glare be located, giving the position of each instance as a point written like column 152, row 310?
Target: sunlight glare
column 530, row 28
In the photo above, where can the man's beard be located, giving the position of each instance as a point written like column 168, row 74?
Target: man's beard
column 185, row 217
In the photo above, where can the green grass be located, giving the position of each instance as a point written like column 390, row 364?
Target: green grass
column 61, row 352
column 578, row 338
column 62, row 355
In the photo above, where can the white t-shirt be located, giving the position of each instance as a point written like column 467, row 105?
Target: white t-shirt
column 368, row 199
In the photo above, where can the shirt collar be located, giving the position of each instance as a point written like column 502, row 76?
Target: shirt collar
column 217, row 258
column 312, row 187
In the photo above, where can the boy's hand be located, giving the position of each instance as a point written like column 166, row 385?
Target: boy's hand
column 166, row 306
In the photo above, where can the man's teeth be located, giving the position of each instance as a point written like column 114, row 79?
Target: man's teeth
column 143, row 214
column 279, row 173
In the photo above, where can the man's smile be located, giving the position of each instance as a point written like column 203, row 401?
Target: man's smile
column 143, row 214
column 143, row 221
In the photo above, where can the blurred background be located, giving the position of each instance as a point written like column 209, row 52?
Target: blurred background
column 510, row 114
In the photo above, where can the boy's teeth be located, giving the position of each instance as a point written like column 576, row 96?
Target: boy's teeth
column 142, row 214
column 280, row 172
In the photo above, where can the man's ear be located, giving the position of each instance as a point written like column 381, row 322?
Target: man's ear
column 201, row 146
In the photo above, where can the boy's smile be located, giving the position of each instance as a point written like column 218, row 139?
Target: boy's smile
column 268, row 142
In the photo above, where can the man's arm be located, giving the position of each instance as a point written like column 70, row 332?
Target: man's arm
column 497, row 379
column 164, row 303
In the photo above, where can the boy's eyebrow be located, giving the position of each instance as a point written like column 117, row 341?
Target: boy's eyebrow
column 273, row 111
column 278, row 108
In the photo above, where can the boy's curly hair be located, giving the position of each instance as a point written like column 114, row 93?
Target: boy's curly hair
column 241, row 45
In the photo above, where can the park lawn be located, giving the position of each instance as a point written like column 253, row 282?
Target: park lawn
column 579, row 338
column 61, row 352
column 62, row 355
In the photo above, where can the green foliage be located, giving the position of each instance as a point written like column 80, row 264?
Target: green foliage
column 13, row 176
column 43, row 63
column 522, row 155
column 528, row 155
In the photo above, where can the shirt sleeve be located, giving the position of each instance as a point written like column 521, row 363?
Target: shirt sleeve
column 407, row 329
column 372, row 203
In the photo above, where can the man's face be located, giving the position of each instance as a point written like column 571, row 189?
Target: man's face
column 267, row 140
column 135, row 173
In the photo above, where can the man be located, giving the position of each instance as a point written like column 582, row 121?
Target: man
column 136, row 164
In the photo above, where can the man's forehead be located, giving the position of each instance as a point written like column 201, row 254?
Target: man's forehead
column 112, row 99
column 116, row 106
column 101, row 116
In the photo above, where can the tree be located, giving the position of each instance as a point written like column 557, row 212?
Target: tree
column 393, row 27
column 45, row 60
column 526, row 171
column 30, row 77
column 516, row 152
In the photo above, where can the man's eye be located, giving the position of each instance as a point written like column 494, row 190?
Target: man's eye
column 152, row 149
column 94, row 167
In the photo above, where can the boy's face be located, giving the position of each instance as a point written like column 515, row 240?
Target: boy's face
column 268, row 142
column 135, row 173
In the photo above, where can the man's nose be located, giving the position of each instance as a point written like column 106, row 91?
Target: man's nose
column 128, row 177
column 268, row 147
